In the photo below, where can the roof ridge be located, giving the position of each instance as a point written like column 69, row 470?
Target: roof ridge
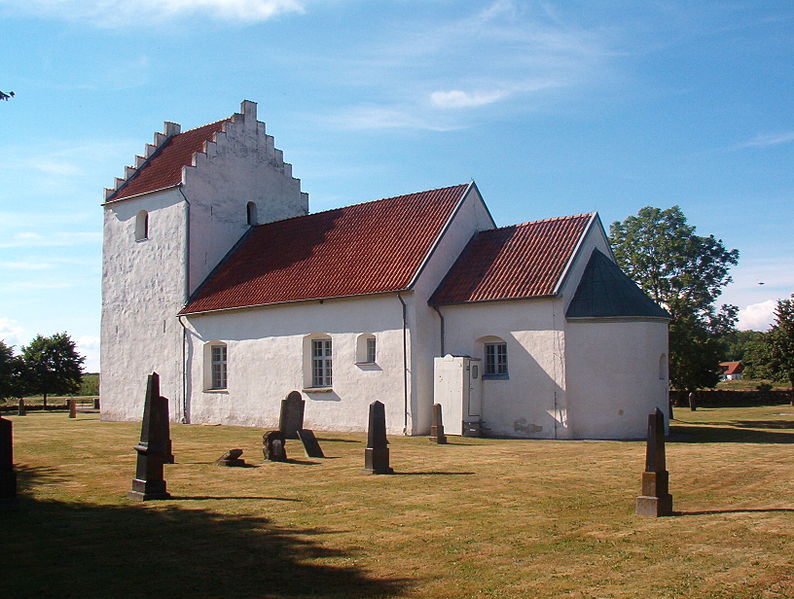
column 404, row 195
column 549, row 220
column 227, row 119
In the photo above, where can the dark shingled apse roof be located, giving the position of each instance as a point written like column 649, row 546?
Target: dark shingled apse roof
column 606, row 291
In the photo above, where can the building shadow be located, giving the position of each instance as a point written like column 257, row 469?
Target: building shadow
column 737, row 511
column 90, row 550
column 740, row 433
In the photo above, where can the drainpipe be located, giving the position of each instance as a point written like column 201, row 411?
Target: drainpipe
column 405, row 367
column 186, row 262
column 441, row 316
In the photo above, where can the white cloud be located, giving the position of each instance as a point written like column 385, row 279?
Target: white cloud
column 119, row 13
column 757, row 317
column 11, row 333
column 376, row 117
column 456, row 98
column 60, row 239
column 771, row 139
column 26, row 265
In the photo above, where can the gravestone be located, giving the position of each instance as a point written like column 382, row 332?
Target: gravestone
column 437, row 426
column 655, row 500
column 21, row 410
column 168, row 457
column 693, row 402
column 231, row 458
column 274, row 446
column 149, row 482
column 96, row 403
column 8, row 478
column 72, row 408
column 311, row 446
column 376, row 455
column 290, row 418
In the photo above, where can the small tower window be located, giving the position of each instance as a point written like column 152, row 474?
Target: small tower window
column 250, row 213
column 142, row 226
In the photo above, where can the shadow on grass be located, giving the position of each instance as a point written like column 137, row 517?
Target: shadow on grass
column 207, row 497
column 739, row 433
column 741, row 511
column 63, row 549
column 433, row 473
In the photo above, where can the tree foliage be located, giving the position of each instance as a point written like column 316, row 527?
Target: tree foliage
column 12, row 383
column 53, row 365
column 685, row 273
column 773, row 357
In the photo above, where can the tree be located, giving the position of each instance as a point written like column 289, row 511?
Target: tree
column 774, row 357
column 685, row 273
column 52, row 365
column 11, row 373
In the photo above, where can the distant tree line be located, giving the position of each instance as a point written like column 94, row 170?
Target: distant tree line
column 45, row 366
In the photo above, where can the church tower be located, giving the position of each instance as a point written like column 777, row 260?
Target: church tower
column 167, row 224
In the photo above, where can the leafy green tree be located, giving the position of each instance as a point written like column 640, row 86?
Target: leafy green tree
column 775, row 356
column 53, row 365
column 685, row 273
column 11, row 373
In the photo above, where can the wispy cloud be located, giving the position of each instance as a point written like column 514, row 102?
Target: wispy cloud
column 766, row 140
column 26, row 239
column 122, row 13
column 11, row 333
column 456, row 98
column 26, row 265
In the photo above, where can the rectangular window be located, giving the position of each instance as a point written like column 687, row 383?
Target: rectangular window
column 218, row 367
column 495, row 359
column 371, row 349
column 321, row 363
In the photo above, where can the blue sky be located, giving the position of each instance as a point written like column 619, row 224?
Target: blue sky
column 553, row 108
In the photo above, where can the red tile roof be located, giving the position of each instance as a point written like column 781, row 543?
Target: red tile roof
column 364, row 249
column 164, row 169
column 731, row 367
column 514, row 262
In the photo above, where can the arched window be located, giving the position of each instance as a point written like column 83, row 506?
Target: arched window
column 495, row 354
column 250, row 213
column 366, row 349
column 142, row 226
column 216, row 360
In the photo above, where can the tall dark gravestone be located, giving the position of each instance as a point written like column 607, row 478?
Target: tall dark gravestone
column 376, row 455
column 311, row 447
column 437, row 426
column 21, row 411
column 274, row 446
column 8, row 478
column 149, row 482
column 72, row 408
column 290, row 419
column 655, row 500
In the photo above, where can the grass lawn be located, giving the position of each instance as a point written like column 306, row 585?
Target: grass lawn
column 475, row 518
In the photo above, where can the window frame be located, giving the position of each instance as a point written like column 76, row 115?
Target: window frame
column 321, row 362
column 218, row 367
column 142, row 226
column 495, row 364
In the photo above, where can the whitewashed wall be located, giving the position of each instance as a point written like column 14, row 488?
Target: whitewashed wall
column 142, row 290
column 266, row 355
column 616, row 375
column 531, row 403
column 424, row 322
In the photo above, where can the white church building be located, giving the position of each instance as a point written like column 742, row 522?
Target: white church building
column 217, row 276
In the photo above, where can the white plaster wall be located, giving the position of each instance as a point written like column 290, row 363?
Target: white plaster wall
column 142, row 289
column 613, row 376
column 266, row 355
column 424, row 322
column 531, row 403
column 241, row 166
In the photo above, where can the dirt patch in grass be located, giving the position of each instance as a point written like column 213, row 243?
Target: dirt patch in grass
column 480, row 518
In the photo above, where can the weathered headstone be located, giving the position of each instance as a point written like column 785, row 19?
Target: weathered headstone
column 693, row 403
column 96, row 403
column 231, row 458
column 274, row 446
column 376, row 455
column 72, row 408
column 21, row 410
column 149, row 482
column 290, row 418
column 8, row 478
column 437, row 426
column 655, row 499
column 311, row 446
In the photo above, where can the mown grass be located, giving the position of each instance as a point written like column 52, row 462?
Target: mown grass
column 475, row 518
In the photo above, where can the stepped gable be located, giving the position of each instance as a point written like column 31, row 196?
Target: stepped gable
column 516, row 262
column 365, row 249
column 605, row 291
column 162, row 165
